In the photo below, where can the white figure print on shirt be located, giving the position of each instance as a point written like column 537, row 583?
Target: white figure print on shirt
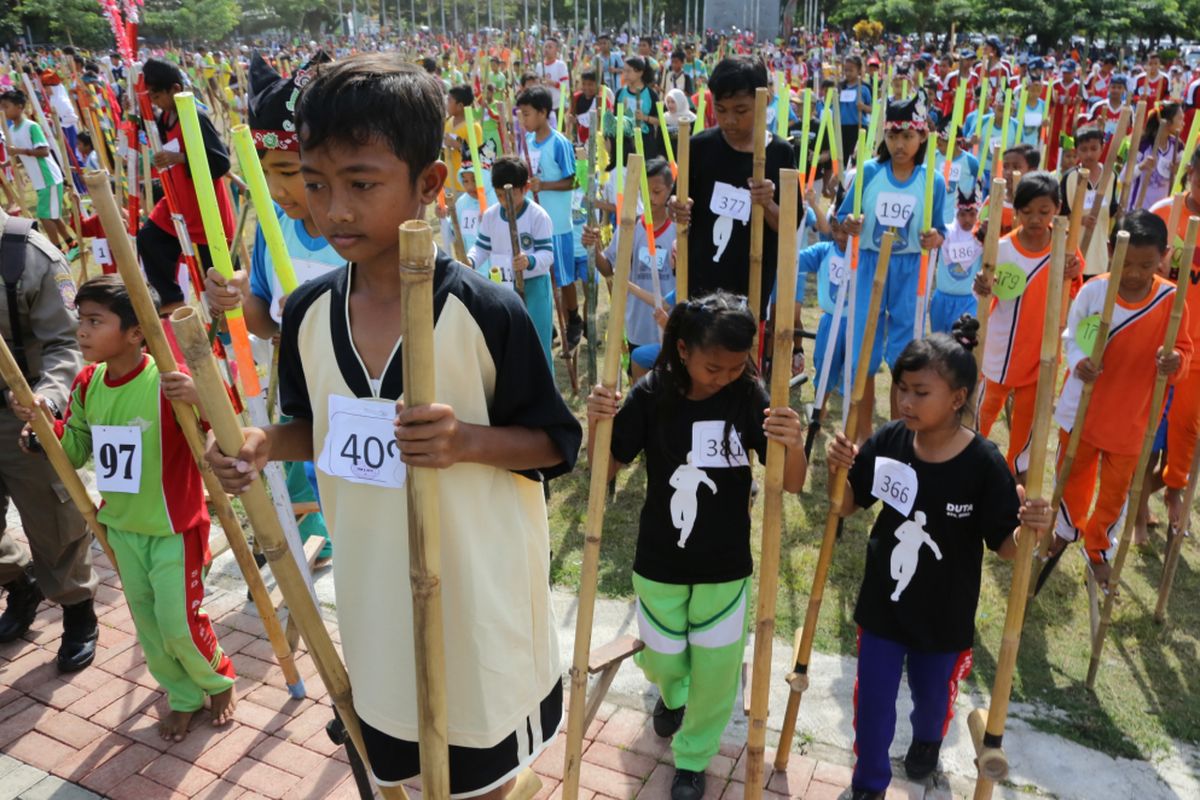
column 686, row 481
column 906, row 555
column 722, row 232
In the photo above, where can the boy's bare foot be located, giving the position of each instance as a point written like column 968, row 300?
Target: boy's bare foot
column 174, row 726
column 1101, row 572
column 1173, row 498
column 223, row 705
column 1141, row 533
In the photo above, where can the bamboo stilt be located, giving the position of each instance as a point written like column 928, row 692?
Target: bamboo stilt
column 1135, row 494
column 799, row 679
column 768, row 570
column 1074, row 235
column 424, row 527
column 598, row 493
column 681, row 231
column 1085, row 398
column 756, row 210
column 125, row 258
column 1175, row 543
column 591, row 290
column 1101, row 198
column 992, row 761
column 43, row 427
column 991, row 249
column 1139, row 122
column 510, row 209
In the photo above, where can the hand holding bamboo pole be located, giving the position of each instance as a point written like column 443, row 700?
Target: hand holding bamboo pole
column 510, row 209
column 597, row 494
column 991, row 250
column 424, row 535
column 798, row 679
column 768, row 569
column 756, row 210
column 1135, row 494
column 992, row 761
column 1139, row 121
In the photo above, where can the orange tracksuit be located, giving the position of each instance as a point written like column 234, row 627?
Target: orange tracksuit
column 1183, row 418
column 1119, row 410
column 1013, row 348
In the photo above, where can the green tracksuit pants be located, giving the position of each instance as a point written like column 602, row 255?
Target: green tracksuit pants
column 695, row 636
column 163, row 584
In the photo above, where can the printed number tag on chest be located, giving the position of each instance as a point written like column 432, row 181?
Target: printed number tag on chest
column 895, row 484
column 1089, row 199
column 1085, row 334
column 535, row 161
column 964, row 252
column 955, row 175
column 100, row 252
column 730, row 201
column 360, row 445
column 848, row 95
column 894, row 209
column 711, row 449
column 468, row 221
column 838, row 271
column 1010, row 281
column 117, row 452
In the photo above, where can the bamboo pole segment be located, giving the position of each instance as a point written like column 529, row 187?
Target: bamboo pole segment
column 756, row 210
column 1074, row 235
column 799, row 677
column 514, row 239
column 1135, row 494
column 768, row 569
column 424, row 520
column 14, row 197
column 1085, row 398
column 1104, row 190
column 1139, row 122
column 597, row 494
column 189, row 331
column 992, row 761
column 125, row 258
column 681, row 231
column 991, row 249
column 1175, row 543
column 43, row 427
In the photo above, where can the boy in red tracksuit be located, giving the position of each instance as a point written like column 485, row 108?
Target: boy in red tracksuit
column 160, row 239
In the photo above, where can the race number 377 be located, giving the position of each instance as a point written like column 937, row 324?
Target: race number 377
column 895, row 483
column 730, row 201
column 117, row 453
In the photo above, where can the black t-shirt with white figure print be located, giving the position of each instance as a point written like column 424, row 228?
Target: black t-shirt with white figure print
column 695, row 522
column 921, row 582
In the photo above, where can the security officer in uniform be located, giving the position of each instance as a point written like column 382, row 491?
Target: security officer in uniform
column 38, row 321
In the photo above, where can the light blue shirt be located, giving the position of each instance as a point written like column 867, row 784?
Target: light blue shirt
column 554, row 161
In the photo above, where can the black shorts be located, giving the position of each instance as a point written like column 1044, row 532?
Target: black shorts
column 473, row 771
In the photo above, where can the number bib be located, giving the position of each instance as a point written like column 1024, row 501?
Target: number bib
column 360, row 445
column 955, row 175
column 895, row 484
column 100, row 252
column 1089, row 200
column 894, row 209
column 711, row 449
column 468, row 221
column 1033, row 119
column 1085, row 334
column 730, row 201
column 1010, row 281
column 535, row 161
column 117, row 451
column 849, row 95
column 964, row 253
column 838, row 271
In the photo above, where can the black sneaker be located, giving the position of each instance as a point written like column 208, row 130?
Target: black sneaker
column 80, row 634
column 667, row 720
column 687, row 785
column 574, row 332
column 24, row 595
column 921, row 760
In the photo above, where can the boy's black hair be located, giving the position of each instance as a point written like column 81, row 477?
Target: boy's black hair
column 429, row 65
column 463, row 93
column 658, row 166
column 588, row 75
column 109, row 291
column 949, row 355
column 529, row 77
column 604, row 36
column 855, row 60
column 677, row 54
column 1034, row 185
column 374, row 96
column 1088, row 134
column 85, row 137
column 537, row 97
column 15, row 96
column 509, row 169
column 161, row 76
column 1033, row 159
column 1145, row 228
column 737, row 75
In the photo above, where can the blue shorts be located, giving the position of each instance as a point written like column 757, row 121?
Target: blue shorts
column 567, row 268
column 897, row 310
column 838, row 358
column 945, row 309
column 539, row 302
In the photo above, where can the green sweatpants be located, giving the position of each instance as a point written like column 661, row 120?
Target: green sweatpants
column 162, row 579
column 695, row 635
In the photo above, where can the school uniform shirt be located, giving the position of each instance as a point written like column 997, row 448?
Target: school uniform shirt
column 829, row 264
column 502, row 655
column 640, row 327
column 1120, row 406
column 882, row 190
column 1096, row 256
column 179, row 178
column 579, row 219
column 1031, row 132
column 695, row 493
column 921, row 583
column 1150, row 89
column 719, row 247
column 553, row 159
column 312, row 257
column 1104, row 115
column 849, row 96
column 964, row 173
column 63, row 108
column 466, row 206
column 556, row 77
column 534, row 238
column 144, row 468
column 1162, row 209
column 959, row 261
column 28, row 135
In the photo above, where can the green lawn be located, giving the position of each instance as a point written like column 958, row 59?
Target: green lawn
column 1148, row 690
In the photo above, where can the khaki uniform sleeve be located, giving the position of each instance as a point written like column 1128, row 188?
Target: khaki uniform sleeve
column 52, row 351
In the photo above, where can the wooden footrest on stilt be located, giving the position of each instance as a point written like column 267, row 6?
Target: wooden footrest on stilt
column 605, row 661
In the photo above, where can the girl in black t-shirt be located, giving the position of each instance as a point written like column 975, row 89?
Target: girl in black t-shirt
column 947, row 492
column 697, row 416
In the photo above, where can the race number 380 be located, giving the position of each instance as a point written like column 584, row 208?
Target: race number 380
column 361, row 446
column 895, row 483
column 117, row 453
